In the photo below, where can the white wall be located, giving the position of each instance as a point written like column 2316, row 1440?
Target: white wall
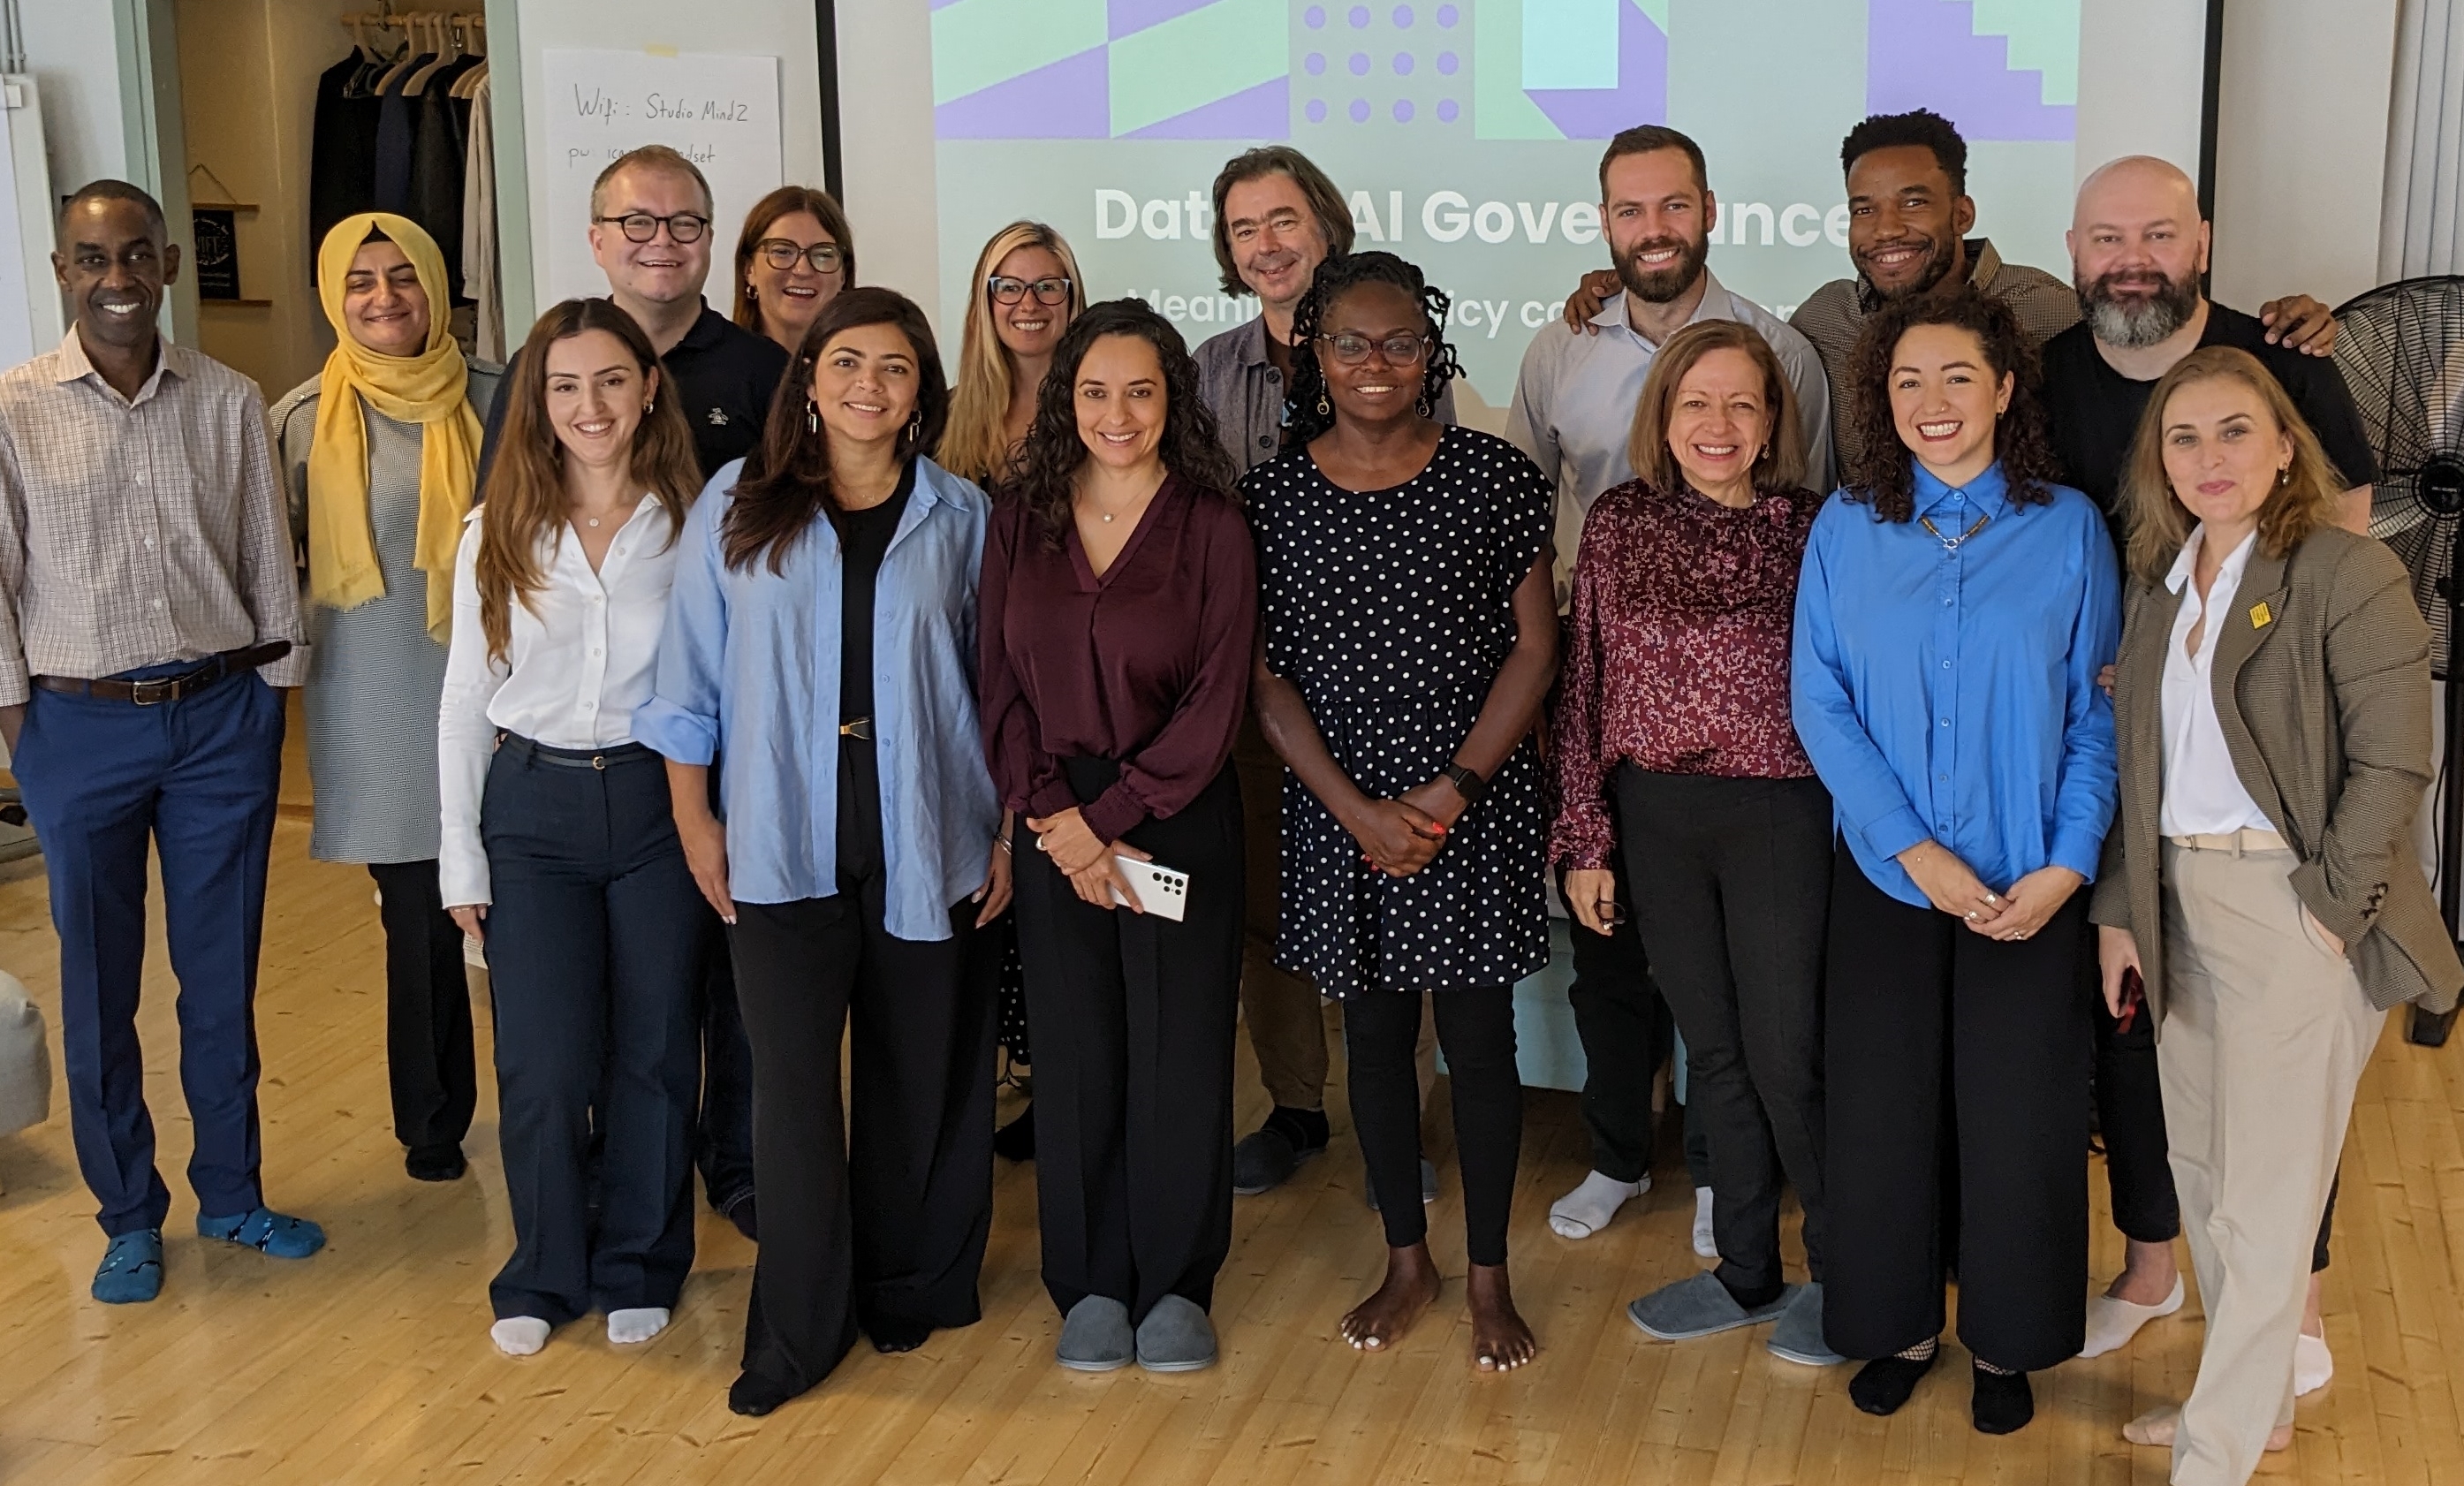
column 2302, row 132
column 892, row 199
column 2138, row 81
column 73, row 55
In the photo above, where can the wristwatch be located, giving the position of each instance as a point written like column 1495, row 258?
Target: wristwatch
column 1467, row 783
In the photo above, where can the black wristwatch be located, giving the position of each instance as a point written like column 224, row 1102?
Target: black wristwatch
column 1467, row 783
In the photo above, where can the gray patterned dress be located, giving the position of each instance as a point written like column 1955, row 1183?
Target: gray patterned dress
column 374, row 675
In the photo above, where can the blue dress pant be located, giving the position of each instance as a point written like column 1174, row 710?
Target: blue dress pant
column 595, row 950
column 198, row 779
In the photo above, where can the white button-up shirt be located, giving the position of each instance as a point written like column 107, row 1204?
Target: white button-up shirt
column 580, row 657
column 2203, row 795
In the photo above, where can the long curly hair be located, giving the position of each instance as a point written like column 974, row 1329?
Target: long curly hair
column 785, row 482
column 1884, row 472
column 1308, row 411
column 1045, row 476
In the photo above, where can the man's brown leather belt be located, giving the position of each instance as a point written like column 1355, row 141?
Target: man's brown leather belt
column 171, row 689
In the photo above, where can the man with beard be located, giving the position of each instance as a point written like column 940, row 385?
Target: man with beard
column 1277, row 217
column 1574, row 414
column 2137, row 251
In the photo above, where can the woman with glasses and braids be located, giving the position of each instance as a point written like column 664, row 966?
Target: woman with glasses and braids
column 792, row 258
column 1409, row 637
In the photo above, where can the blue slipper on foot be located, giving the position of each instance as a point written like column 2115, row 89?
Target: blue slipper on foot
column 131, row 1271
column 266, row 1232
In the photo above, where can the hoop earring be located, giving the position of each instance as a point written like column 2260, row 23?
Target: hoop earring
column 915, row 426
column 813, row 416
column 649, row 406
column 1324, row 408
column 1421, row 405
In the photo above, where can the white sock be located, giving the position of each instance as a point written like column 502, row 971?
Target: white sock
column 1587, row 1209
column 626, row 1328
column 519, row 1336
column 1706, row 1244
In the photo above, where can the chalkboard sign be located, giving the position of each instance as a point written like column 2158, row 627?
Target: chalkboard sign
column 217, row 260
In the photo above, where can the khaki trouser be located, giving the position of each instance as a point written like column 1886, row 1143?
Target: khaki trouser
column 1287, row 1018
column 2265, row 1036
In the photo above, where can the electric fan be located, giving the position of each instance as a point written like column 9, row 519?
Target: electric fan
column 2401, row 348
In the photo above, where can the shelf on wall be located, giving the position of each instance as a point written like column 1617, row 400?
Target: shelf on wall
column 246, row 304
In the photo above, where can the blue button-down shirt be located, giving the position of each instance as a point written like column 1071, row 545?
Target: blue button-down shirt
column 749, row 673
column 1952, row 694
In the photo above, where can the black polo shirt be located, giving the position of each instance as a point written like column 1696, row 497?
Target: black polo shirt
column 2093, row 411
column 723, row 375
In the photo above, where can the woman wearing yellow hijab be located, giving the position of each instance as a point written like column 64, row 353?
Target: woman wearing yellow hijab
column 378, row 451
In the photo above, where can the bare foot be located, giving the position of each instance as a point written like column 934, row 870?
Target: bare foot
column 2147, row 1274
column 1500, row 1341
column 2158, row 1426
column 1379, row 1321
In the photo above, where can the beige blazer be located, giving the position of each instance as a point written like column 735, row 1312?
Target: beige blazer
column 2322, row 689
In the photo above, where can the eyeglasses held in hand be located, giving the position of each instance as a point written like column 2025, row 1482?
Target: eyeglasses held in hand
column 1011, row 290
column 640, row 226
column 1401, row 350
column 782, row 255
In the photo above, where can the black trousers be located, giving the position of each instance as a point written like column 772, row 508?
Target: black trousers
column 594, row 946
column 724, row 1132
column 1134, row 1022
column 876, row 1209
column 1733, row 880
column 1381, row 1030
column 1954, row 1070
column 2130, row 1121
column 429, row 1057
column 1624, row 1029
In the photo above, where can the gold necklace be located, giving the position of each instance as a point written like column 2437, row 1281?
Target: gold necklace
column 1951, row 543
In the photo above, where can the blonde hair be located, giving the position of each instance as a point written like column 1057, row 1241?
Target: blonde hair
column 976, row 445
column 2305, row 500
column 1782, row 465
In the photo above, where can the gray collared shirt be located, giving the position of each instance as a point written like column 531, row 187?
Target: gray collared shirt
column 1575, row 398
column 1246, row 392
column 136, row 531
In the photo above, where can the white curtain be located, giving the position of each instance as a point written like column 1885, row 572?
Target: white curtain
column 2421, row 223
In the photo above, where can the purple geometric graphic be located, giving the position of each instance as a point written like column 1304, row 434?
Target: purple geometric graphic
column 1263, row 112
column 1640, row 97
column 1926, row 53
column 1070, row 99
column 1124, row 17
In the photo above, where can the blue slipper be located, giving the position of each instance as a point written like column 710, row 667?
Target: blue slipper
column 131, row 1271
column 266, row 1232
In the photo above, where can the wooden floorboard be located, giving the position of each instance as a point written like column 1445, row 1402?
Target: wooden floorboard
column 370, row 1363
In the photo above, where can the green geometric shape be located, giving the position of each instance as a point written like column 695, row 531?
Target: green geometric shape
column 1657, row 11
column 977, row 43
column 1196, row 58
column 2044, row 36
column 1570, row 43
column 1500, row 108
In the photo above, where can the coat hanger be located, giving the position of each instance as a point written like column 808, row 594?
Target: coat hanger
column 416, row 38
column 448, row 50
column 468, row 85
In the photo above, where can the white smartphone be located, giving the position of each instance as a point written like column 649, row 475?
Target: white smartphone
column 1161, row 891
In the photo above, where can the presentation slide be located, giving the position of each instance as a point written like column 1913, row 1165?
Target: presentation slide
column 1466, row 134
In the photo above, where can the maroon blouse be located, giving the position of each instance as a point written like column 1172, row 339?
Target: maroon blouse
column 1148, row 665
column 1679, row 654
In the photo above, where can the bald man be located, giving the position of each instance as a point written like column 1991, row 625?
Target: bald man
column 2138, row 250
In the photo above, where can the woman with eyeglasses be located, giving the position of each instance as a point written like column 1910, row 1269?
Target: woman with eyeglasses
column 1027, row 294
column 795, row 254
column 1409, row 638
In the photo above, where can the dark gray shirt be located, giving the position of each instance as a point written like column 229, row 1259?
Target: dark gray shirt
column 1246, row 392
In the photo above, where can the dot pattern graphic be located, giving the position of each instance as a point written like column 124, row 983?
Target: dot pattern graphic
column 1417, row 82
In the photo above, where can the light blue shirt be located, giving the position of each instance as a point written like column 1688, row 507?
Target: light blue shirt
column 749, row 673
column 1952, row 694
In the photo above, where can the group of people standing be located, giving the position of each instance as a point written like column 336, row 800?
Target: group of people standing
column 751, row 690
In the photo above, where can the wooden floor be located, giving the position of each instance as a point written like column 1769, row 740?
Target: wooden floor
column 371, row 1362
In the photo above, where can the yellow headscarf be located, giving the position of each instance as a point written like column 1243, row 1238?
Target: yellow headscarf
column 430, row 389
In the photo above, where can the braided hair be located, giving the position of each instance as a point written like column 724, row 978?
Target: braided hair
column 1308, row 410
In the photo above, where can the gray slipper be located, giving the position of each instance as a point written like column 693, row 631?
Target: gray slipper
column 1176, row 1337
column 1698, row 1306
column 1096, row 1335
column 1799, row 1336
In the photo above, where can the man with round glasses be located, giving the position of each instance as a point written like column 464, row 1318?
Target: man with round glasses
column 651, row 235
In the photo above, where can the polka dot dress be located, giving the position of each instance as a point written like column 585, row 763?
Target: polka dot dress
column 1392, row 610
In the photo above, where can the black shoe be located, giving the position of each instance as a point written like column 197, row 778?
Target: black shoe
column 754, row 1395
column 2002, row 1403
column 742, row 1214
column 1882, row 1385
column 1016, row 1140
column 1268, row 1157
column 894, row 1334
column 441, row 1161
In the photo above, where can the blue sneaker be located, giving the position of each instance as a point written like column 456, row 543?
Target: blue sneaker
column 266, row 1232
column 131, row 1271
